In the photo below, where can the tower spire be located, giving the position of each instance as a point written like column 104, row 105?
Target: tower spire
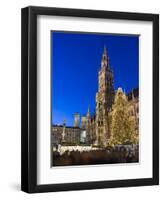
column 104, row 99
column 105, row 50
column 105, row 58
column 133, row 97
column 88, row 112
column 76, row 119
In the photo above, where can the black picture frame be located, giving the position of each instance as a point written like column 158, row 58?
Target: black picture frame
column 29, row 99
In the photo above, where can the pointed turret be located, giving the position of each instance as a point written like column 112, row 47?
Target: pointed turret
column 105, row 58
column 105, row 50
column 88, row 112
column 133, row 97
column 77, row 120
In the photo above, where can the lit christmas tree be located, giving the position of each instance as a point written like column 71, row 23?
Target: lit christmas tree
column 123, row 126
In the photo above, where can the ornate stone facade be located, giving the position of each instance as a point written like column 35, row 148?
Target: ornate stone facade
column 133, row 106
column 104, row 99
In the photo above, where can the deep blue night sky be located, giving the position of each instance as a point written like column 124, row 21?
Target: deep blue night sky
column 76, row 60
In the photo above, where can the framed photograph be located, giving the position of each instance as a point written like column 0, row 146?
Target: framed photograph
column 90, row 99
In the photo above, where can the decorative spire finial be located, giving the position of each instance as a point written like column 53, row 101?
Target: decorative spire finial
column 88, row 112
column 105, row 58
column 105, row 49
column 133, row 97
column 88, row 108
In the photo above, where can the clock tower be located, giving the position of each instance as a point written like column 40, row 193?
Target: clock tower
column 104, row 99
